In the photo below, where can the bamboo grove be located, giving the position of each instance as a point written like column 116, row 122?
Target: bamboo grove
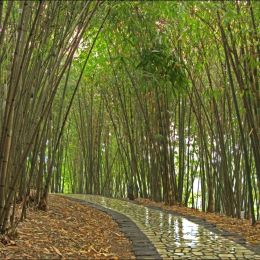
column 38, row 41
column 99, row 96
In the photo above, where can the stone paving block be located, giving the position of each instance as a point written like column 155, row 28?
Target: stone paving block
column 197, row 253
column 226, row 255
column 248, row 253
column 178, row 254
column 209, row 257
column 186, row 250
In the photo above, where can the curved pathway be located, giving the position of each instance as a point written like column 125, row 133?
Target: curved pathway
column 174, row 237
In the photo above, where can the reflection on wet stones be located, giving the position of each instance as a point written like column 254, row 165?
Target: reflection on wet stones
column 173, row 236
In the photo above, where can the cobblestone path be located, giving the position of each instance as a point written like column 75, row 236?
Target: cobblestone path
column 174, row 237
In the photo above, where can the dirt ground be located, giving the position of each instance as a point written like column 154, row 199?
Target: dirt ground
column 66, row 230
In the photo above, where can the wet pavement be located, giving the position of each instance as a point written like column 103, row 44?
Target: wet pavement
column 174, row 237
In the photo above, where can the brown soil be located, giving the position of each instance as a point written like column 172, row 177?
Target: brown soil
column 239, row 226
column 67, row 230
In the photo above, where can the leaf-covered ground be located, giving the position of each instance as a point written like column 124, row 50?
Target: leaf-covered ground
column 239, row 226
column 67, row 230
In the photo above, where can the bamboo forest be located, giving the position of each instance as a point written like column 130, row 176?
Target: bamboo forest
column 127, row 107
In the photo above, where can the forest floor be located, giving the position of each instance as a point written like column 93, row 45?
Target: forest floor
column 67, row 230
column 241, row 227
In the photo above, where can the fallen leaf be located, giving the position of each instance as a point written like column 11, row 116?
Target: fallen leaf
column 57, row 251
